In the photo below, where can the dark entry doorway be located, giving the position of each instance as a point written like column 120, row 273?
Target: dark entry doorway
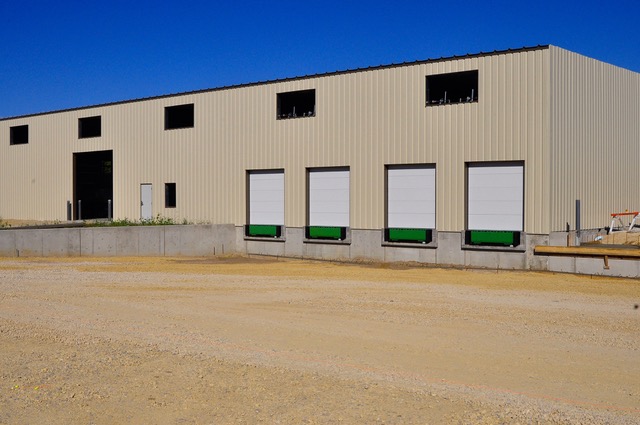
column 92, row 184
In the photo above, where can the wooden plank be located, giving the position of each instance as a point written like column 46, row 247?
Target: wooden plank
column 631, row 253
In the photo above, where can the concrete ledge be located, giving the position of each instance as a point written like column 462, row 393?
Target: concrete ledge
column 449, row 249
column 151, row 241
column 293, row 242
column 591, row 251
column 367, row 245
column 29, row 243
column 196, row 240
column 8, row 243
column 60, row 244
column 190, row 240
column 592, row 260
column 364, row 244
column 274, row 247
column 103, row 241
column 532, row 261
column 329, row 251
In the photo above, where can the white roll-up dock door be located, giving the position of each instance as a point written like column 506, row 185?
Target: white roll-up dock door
column 495, row 197
column 266, row 203
column 328, row 204
column 411, row 197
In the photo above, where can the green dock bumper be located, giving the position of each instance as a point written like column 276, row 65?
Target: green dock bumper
column 263, row 230
column 408, row 235
column 326, row 232
column 492, row 237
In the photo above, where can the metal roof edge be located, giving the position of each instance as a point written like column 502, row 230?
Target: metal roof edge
column 552, row 46
column 287, row 79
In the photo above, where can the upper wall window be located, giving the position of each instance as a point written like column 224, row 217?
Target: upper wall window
column 180, row 116
column 296, row 104
column 19, row 135
column 455, row 87
column 89, row 127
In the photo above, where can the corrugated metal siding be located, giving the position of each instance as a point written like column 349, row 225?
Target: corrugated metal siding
column 363, row 120
column 595, row 140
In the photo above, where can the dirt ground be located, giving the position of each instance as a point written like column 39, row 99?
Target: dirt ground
column 237, row 340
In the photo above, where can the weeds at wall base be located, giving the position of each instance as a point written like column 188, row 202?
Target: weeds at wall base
column 158, row 220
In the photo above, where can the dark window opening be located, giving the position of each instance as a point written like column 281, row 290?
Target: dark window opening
column 455, row 87
column 169, row 195
column 180, row 116
column 296, row 104
column 19, row 135
column 89, row 127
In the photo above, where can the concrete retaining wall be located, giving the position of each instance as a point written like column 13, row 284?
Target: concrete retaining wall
column 206, row 240
column 446, row 250
column 590, row 266
column 188, row 240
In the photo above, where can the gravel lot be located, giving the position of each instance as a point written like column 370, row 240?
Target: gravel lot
column 254, row 340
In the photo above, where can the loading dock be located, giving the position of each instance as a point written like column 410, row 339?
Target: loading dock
column 265, row 204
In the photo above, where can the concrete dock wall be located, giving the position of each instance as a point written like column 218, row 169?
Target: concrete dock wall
column 447, row 248
column 188, row 240
column 590, row 266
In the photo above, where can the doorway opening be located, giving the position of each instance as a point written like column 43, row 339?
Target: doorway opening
column 92, row 184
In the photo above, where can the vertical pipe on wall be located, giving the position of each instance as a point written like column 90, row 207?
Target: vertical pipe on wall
column 577, row 222
column 69, row 216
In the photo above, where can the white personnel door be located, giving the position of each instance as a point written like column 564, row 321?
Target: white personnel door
column 146, row 201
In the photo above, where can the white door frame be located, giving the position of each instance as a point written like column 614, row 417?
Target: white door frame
column 146, row 201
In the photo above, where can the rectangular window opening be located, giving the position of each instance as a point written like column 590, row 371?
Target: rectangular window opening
column 169, row 195
column 181, row 116
column 452, row 88
column 19, row 135
column 89, row 127
column 296, row 104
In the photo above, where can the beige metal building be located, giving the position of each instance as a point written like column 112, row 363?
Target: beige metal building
column 484, row 152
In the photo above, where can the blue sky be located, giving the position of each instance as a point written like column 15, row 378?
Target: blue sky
column 64, row 54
